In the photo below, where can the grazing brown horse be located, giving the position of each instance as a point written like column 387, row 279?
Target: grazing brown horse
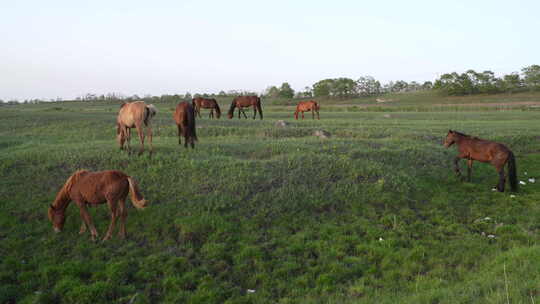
column 134, row 115
column 206, row 103
column 184, row 116
column 306, row 106
column 244, row 102
column 474, row 148
column 85, row 187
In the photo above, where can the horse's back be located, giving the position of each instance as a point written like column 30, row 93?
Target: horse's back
column 131, row 112
column 485, row 150
column 182, row 110
column 247, row 100
column 97, row 187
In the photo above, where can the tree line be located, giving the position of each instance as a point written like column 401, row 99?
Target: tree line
column 453, row 84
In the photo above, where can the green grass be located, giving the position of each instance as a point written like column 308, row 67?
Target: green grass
column 373, row 214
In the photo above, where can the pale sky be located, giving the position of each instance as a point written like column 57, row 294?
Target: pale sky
column 69, row 48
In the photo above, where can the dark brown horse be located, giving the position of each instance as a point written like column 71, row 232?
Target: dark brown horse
column 137, row 115
column 93, row 188
column 206, row 103
column 306, row 106
column 184, row 116
column 244, row 102
column 473, row 148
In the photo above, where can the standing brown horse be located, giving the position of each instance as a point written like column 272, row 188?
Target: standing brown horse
column 184, row 116
column 85, row 187
column 306, row 106
column 473, row 148
column 244, row 102
column 134, row 115
column 206, row 103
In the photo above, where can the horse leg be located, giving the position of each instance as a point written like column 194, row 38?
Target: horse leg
column 88, row 220
column 313, row 114
column 502, row 177
column 244, row 112
column 128, row 139
column 318, row 115
column 456, row 166
column 179, row 134
column 83, row 228
column 112, row 210
column 149, row 134
column 140, row 132
column 302, row 114
column 254, row 111
column 121, row 211
column 469, row 169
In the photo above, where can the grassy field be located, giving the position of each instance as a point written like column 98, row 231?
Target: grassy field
column 265, row 214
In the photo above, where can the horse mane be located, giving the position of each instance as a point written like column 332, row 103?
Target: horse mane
column 465, row 135
column 63, row 195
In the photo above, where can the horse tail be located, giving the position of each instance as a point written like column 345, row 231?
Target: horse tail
column 259, row 107
column 137, row 199
column 191, row 128
column 512, row 176
column 149, row 112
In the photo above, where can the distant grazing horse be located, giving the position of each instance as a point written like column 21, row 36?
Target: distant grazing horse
column 473, row 148
column 206, row 103
column 85, row 187
column 244, row 102
column 306, row 106
column 184, row 116
column 134, row 115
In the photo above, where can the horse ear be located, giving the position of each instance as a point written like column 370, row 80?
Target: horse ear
column 52, row 207
column 450, row 131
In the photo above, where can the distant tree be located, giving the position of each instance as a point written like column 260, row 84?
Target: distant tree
column 323, row 88
column 222, row 94
column 427, row 85
column 414, row 86
column 272, row 92
column 285, row 91
column 343, row 88
column 367, row 86
column 455, row 84
column 531, row 77
column 308, row 92
column 511, row 83
column 399, row 86
column 188, row 96
column 486, row 82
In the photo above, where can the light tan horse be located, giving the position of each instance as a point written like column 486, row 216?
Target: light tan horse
column 134, row 115
column 93, row 188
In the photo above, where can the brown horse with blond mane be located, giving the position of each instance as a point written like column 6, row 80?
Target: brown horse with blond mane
column 206, row 103
column 184, row 116
column 474, row 148
column 137, row 115
column 241, row 102
column 93, row 188
column 306, row 106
